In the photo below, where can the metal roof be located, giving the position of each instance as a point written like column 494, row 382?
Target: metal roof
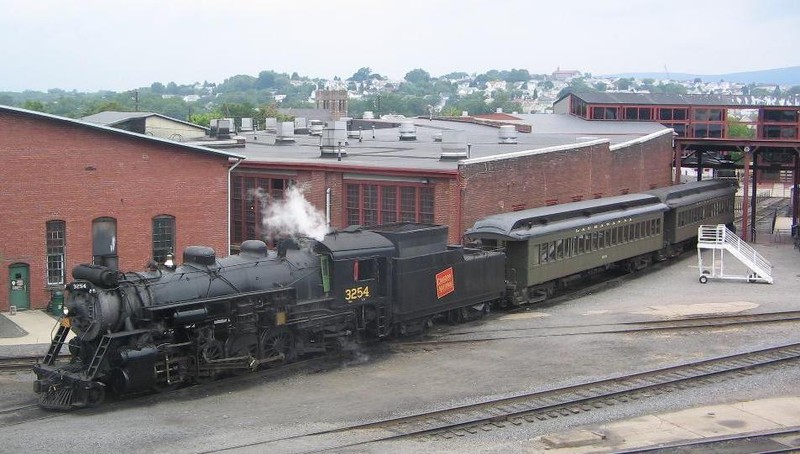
column 387, row 151
column 119, row 132
column 520, row 225
column 604, row 97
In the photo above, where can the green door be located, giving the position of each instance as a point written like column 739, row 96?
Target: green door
column 19, row 286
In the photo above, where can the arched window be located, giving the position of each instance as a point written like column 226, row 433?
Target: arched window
column 56, row 240
column 163, row 237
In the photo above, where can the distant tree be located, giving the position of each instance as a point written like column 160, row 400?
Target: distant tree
column 240, row 82
column 698, row 80
column 739, row 129
column 670, row 88
column 157, row 87
column 547, row 85
column 456, row 76
column 517, row 75
column 172, row 88
column 34, row 105
column 417, row 76
column 362, row 74
column 204, row 118
column 601, row 86
column 295, row 76
column 793, row 90
column 623, row 83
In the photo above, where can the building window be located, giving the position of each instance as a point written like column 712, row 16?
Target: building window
column 673, row 114
column 56, row 246
column 780, row 116
column 638, row 113
column 604, row 113
column 248, row 194
column 780, row 132
column 163, row 237
column 375, row 204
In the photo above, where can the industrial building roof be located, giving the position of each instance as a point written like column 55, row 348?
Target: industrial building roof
column 386, row 150
column 604, row 97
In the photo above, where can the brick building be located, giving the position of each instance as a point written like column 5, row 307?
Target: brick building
column 75, row 192
column 382, row 180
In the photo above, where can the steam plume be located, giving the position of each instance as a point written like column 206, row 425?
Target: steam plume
column 292, row 216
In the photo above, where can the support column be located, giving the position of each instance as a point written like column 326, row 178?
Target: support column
column 699, row 155
column 745, row 198
column 678, row 150
column 796, row 187
column 754, row 191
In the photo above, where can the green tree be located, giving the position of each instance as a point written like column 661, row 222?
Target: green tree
column 34, row 105
column 362, row 74
column 417, row 76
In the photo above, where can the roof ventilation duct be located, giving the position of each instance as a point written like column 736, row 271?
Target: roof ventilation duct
column 507, row 134
column 333, row 141
column 284, row 133
column 408, row 131
column 454, row 145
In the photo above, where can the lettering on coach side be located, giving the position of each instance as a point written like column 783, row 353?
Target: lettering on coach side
column 445, row 284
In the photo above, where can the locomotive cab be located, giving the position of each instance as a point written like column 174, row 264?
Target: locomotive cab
column 355, row 267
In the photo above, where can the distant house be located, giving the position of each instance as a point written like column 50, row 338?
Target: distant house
column 565, row 74
column 149, row 123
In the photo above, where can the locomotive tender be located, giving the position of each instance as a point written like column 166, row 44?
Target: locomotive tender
column 155, row 330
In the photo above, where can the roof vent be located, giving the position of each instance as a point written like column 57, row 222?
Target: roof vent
column 284, row 133
column 408, row 131
column 199, row 255
column 454, row 145
column 507, row 134
column 333, row 141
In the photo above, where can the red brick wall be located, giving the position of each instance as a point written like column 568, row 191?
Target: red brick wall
column 54, row 170
column 563, row 175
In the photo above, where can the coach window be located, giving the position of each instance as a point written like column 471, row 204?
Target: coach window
column 163, row 237
column 56, row 245
column 559, row 249
column 534, row 254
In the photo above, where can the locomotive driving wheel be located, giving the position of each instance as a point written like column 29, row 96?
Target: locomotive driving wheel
column 242, row 345
column 277, row 345
column 210, row 350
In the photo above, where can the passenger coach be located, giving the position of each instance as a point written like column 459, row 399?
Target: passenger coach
column 545, row 245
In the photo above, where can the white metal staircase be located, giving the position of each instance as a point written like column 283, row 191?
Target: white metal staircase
column 719, row 239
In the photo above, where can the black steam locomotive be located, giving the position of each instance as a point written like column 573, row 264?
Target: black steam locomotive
column 156, row 330
column 159, row 329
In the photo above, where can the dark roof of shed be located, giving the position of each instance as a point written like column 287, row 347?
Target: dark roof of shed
column 111, row 117
column 120, row 132
column 602, row 97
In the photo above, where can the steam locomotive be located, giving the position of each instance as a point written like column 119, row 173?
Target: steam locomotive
column 138, row 331
column 155, row 330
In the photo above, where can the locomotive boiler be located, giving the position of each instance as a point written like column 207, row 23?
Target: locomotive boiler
column 140, row 331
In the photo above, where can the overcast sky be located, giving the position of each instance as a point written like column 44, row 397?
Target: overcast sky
column 91, row 45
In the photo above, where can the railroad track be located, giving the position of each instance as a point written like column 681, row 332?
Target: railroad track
column 489, row 335
column 18, row 363
column 530, row 408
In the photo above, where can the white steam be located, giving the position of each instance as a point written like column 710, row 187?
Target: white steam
column 291, row 216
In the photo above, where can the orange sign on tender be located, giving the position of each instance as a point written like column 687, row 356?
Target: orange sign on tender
column 445, row 284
